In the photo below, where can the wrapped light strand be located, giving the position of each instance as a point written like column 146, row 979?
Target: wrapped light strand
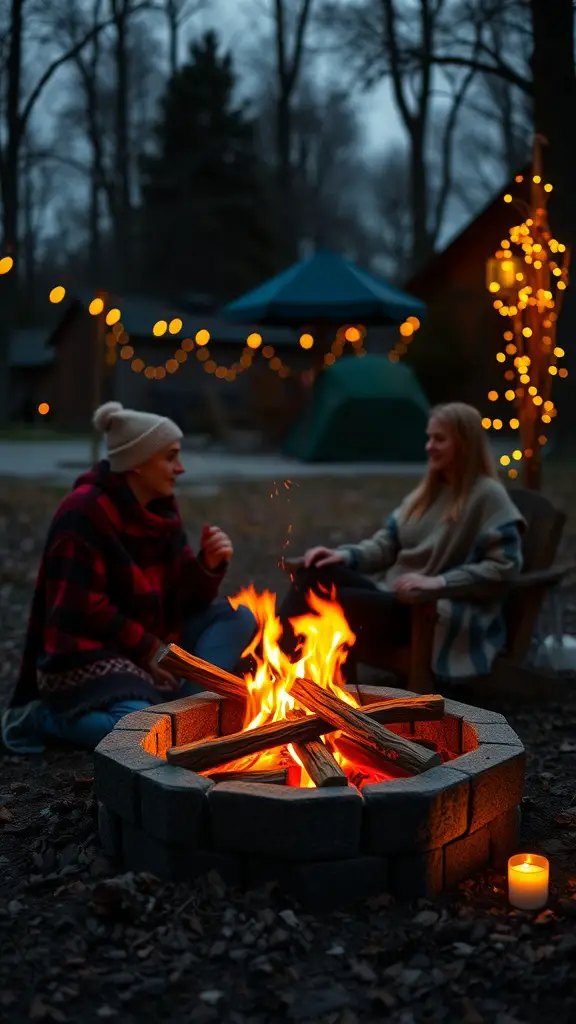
column 528, row 276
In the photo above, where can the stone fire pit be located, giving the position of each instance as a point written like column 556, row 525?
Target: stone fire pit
column 327, row 846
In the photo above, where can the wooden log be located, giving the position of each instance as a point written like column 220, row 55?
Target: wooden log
column 367, row 760
column 178, row 661
column 320, row 763
column 275, row 777
column 205, row 754
column 360, row 727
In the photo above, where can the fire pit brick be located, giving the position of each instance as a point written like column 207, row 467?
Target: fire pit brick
column 119, row 761
column 110, row 832
column 475, row 733
column 504, row 837
column 466, row 856
column 142, row 852
column 277, row 821
column 446, row 733
column 158, row 727
column 496, row 776
column 420, row 813
column 329, row 847
column 231, row 716
column 193, row 718
column 174, row 808
column 471, row 714
column 417, row 875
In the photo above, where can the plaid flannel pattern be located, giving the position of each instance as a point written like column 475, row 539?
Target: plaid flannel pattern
column 114, row 579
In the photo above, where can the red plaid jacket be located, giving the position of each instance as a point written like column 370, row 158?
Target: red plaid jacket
column 114, row 579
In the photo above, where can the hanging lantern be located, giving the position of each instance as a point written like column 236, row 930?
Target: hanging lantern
column 502, row 274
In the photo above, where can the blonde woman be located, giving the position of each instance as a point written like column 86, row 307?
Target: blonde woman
column 459, row 526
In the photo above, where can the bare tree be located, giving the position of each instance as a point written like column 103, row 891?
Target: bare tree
column 291, row 24
column 177, row 13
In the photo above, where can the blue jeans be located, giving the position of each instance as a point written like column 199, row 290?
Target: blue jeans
column 218, row 635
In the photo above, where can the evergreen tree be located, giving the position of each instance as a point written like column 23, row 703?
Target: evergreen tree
column 205, row 217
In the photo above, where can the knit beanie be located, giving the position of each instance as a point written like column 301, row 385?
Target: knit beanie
column 133, row 437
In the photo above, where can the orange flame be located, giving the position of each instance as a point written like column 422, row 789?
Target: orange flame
column 325, row 638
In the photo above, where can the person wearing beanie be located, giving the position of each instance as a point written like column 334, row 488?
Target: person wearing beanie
column 117, row 582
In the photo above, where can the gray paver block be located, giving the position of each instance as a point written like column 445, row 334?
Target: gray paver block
column 158, row 726
column 323, row 885
column 119, row 760
column 415, row 814
column 417, row 876
column 465, row 856
column 231, row 716
column 373, row 694
column 475, row 733
column 496, row 774
column 472, row 714
column 291, row 824
column 193, row 718
column 504, row 838
column 142, row 852
column 110, row 832
column 174, row 807
column 446, row 732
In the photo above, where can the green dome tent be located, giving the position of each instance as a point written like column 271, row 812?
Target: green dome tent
column 362, row 409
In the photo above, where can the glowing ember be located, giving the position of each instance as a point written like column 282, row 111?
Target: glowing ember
column 325, row 640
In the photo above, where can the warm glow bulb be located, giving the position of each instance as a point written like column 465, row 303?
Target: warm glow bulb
column 202, row 337
column 351, row 334
column 504, row 460
column 57, row 294
column 527, row 332
column 175, row 326
column 517, row 455
column 493, row 396
column 306, row 340
column 43, row 408
column 507, row 198
column 96, row 307
column 406, row 330
column 254, row 340
column 500, row 356
column 494, row 286
column 486, row 423
column 514, row 424
column 113, row 316
column 160, row 328
column 497, row 424
column 6, row 264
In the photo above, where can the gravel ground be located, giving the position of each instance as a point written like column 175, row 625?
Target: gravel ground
column 80, row 942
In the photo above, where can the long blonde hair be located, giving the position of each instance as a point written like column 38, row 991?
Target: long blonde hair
column 472, row 459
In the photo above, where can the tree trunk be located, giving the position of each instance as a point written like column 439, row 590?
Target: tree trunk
column 10, row 203
column 123, row 219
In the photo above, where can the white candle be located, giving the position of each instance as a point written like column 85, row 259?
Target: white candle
column 528, row 875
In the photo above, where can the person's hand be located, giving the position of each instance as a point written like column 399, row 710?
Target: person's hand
column 164, row 681
column 319, row 557
column 216, row 547
column 412, row 581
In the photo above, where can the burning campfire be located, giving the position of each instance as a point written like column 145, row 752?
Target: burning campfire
column 301, row 726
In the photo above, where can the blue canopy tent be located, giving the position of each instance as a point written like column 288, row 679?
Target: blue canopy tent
column 324, row 288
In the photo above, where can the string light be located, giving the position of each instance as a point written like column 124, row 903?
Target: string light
column 531, row 301
column 43, row 408
column 407, row 330
column 6, row 264
column 57, row 294
column 96, row 307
